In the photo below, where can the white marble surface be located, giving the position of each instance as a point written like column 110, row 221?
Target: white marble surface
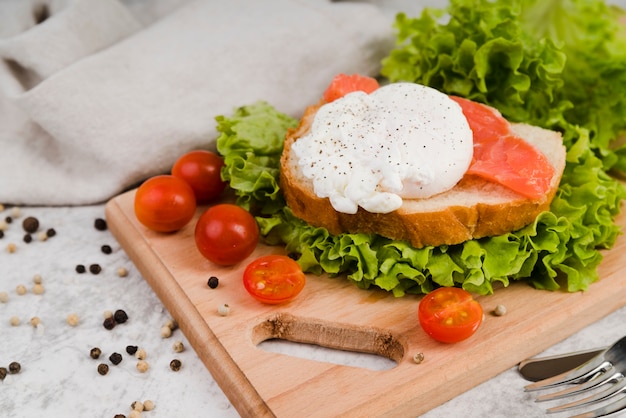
column 58, row 377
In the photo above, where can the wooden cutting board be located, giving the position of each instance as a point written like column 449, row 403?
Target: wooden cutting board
column 335, row 313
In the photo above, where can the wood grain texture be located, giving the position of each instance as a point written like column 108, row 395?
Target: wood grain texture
column 334, row 313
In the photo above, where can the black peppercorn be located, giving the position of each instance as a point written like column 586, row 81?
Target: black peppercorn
column 28, row 238
column 100, row 224
column 51, row 232
column 213, row 282
column 115, row 358
column 103, row 369
column 14, row 367
column 109, row 323
column 131, row 349
column 119, row 416
column 95, row 353
column 95, row 269
column 1, row 233
column 120, row 316
column 8, row 219
column 175, row 365
column 30, row 224
column 106, row 249
column 80, row 269
column 3, row 373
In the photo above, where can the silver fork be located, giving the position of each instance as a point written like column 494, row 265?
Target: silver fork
column 607, row 370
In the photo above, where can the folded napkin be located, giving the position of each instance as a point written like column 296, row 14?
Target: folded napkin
column 96, row 96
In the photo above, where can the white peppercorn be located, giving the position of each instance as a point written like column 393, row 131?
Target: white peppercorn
column 142, row 366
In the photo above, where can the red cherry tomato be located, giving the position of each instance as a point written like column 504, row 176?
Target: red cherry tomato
column 450, row 314
column 202, row 170
column 164, row 203
column 273, row 279
column 226, row 234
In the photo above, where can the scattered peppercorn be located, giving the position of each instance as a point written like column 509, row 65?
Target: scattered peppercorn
column 178, row 347
column 16, row 211
column 223, row 309
column 140, row 354
column 95, row 269
column 131, row 349
column 120, row 316
column 37, row 279
column 80, row 269
column 106, row 249
column 95, row 353
column 134, row 414
column 115, row 358
column 499, row 310
column 11, row 247
column 14, row 321
column 109, row 323
column 14, row 367
column 28, row 238
column 34, row 321
column 171, row 324
column 122, row 272
column 175, row 365
column 143, row 366
column 20, row 289
column 42, row 236
column 38, row 289
column 4, row 297
column 3, row 373
column 166, row 332
column 8, row 219
column 148, row 405
column 137, row 406
column 100, row 224
column 119, row 416
column 30, row 224
column 213, row 282
column 418, row 358
column 1, row 233
column 50, row 232
column 103, row 369
column 72, row 320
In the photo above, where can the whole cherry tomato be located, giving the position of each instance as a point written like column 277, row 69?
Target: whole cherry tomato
column 202, row 170
column 164, row 203
column 273, row 279
column 450, row 314
column 226, row 234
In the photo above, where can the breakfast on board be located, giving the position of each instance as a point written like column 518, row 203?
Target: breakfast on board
column 410, row 163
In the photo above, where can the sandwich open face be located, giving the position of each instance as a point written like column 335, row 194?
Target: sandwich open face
column 410, row 163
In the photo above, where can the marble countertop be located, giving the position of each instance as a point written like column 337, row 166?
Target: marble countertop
column 59, row 378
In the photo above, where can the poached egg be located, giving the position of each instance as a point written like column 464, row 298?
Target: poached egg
column 402, row 141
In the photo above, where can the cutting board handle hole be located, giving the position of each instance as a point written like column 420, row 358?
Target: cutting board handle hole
column 333, row 342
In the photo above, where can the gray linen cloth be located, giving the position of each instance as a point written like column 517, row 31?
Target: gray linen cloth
column 97, row 95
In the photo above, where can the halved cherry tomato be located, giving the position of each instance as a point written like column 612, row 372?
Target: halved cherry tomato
column 164, row 203
column 202, row 170
column 226, row 234
column 343, row 84
column 273, row 279
column 450, row 314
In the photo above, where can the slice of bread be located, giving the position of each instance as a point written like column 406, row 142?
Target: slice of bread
column 474, row 208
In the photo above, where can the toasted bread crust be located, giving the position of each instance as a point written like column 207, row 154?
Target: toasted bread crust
column 474, row 208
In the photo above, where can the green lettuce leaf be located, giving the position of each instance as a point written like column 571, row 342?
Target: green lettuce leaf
column 496, row 52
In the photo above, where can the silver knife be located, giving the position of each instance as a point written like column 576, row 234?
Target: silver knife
column 539, row 368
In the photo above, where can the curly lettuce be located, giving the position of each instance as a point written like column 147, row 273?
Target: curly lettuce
column 493, row 52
